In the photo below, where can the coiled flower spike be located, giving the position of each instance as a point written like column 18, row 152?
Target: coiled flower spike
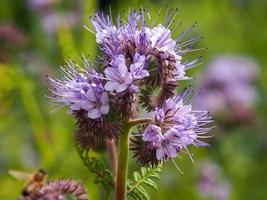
column 139, row 69
column 175, row 127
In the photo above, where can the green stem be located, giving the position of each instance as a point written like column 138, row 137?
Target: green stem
column 122, row 169
column 112, row 155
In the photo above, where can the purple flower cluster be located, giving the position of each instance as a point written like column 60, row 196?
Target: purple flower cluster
column 80, row 91
column 228, row 83
column 135, row 44
column 59, row 190
column 139, row 69
column 176, row 126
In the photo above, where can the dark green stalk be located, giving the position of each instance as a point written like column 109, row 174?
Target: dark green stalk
column 122, row 169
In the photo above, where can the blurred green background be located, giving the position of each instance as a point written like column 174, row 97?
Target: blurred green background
column 36, row 36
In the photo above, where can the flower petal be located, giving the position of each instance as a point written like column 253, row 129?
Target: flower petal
column 160, row 153
column 76, row 106
column 94, row 113
column 104, row 109
column 121, row 88
column 110, row 86
column 90, row 94
column 87, row 105
column 104, row 98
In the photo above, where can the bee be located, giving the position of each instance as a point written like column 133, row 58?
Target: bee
column 34, row 181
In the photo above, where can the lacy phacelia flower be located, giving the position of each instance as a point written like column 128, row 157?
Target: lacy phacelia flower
column 139, row 68
column 82, row 91
column 59, row 190
column 78, row 91
column 136, row 36
column 176, row 127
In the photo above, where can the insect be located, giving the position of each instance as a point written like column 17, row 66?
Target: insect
column 34, row 181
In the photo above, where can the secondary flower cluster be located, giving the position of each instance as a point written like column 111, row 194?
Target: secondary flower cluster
column 227, row 84
column 175, row 127
column 59, row 190
column 139, row 69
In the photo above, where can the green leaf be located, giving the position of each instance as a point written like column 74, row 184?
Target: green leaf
column 152, row 184
column 97, row 167
column 147, row 176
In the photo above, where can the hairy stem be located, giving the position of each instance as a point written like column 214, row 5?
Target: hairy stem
column 122, row 169
column 112, row 155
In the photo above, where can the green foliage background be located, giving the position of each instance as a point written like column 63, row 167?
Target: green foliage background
column 31, row 137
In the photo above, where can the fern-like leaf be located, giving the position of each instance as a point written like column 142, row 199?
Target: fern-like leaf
column 147, row 176
column 103, row 175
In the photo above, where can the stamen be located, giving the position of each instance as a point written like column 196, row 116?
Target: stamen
column 190, row 155
column 189, row 30
column 54, row 110
column 176, row 166
column 156, row 19
column 88, row 29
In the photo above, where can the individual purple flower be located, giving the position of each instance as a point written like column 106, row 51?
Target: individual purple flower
column 153, row 135
column 160, row 38
column 119, row 78
column 170, row 145
column 130, row 30
column 104, row 27
column 96, row 103
column 138, row 68
column 142, row 41
column 107, row 34
column 164, row 47
column 174, row 113
column 165, row 145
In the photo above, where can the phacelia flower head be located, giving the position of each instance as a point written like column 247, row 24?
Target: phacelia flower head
column 82, row 90
column 59, row 190
column 176, row 126
column 140, row 65
column 78, row 91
